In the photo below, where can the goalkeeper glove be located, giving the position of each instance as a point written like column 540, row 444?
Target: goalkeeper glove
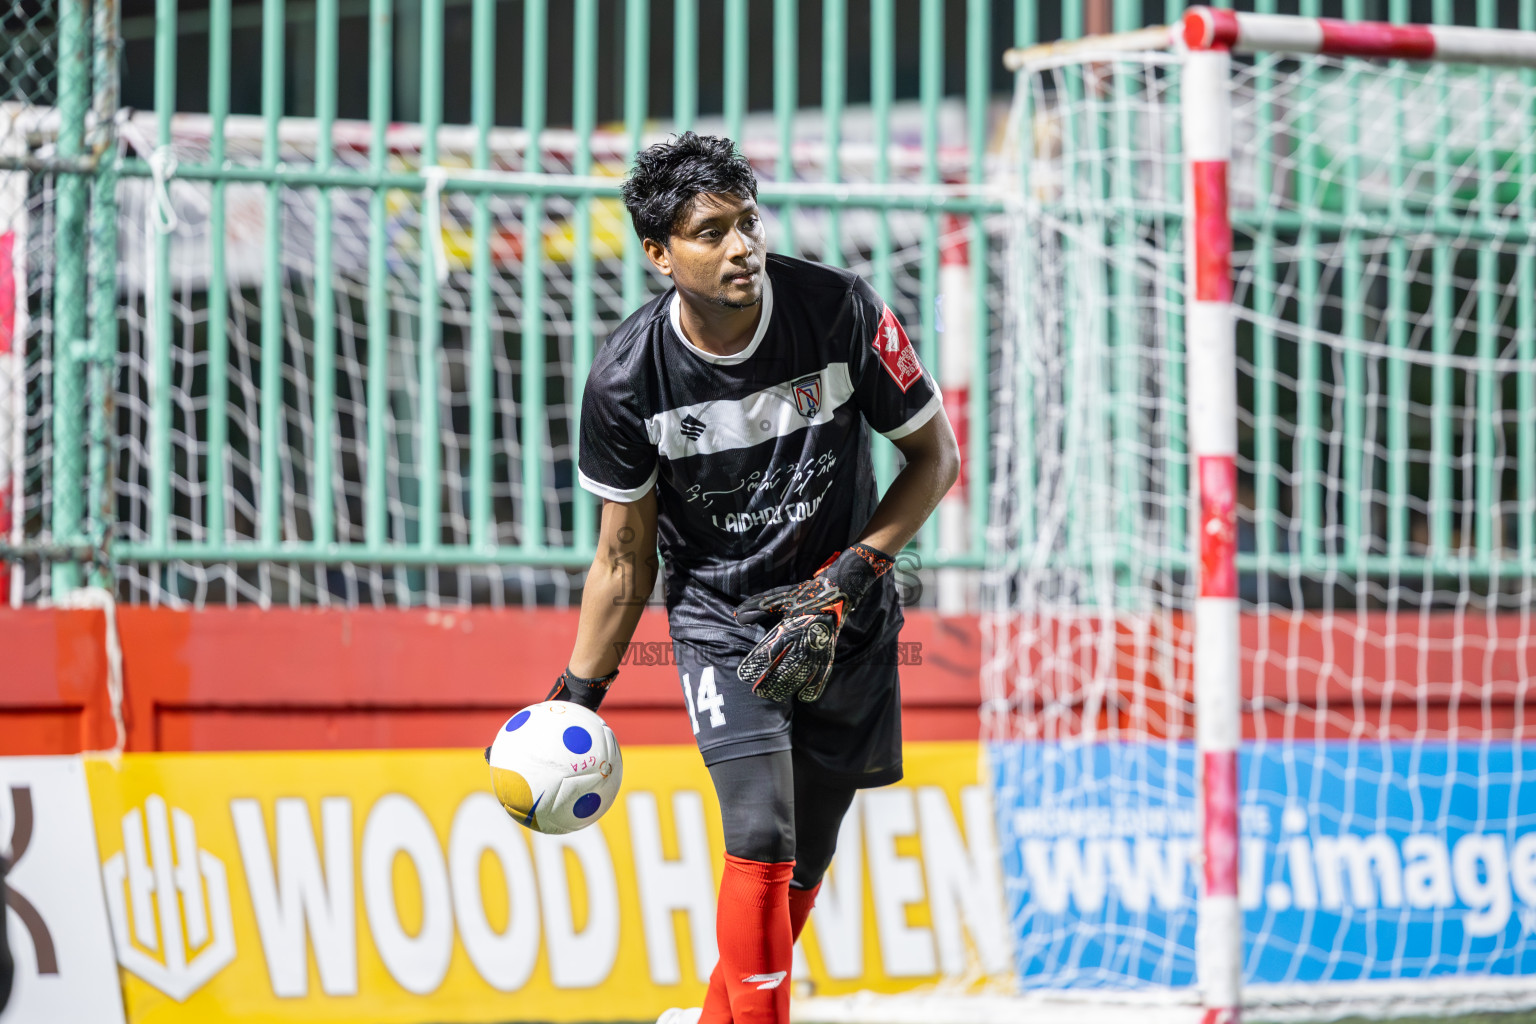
column 795, row 658
column 589, row 693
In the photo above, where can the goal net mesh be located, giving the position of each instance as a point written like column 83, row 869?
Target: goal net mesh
column 1385, row 294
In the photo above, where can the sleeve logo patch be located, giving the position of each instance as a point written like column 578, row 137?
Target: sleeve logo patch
column 896, row 352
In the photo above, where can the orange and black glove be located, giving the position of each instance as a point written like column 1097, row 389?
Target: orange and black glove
column 589, row 693
column 795, row 658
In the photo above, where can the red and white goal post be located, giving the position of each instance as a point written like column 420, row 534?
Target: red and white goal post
column 1267, row 743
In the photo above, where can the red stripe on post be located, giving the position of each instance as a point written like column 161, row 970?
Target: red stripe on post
column 1376, row 39
column 1218, row 526
column 953, row 250
column 1206, row 28
column 1220, row 823
column 7, row 295
column 1213, row 231
column 1222, row 1015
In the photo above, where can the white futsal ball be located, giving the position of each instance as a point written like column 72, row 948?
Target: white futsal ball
column 555, row 767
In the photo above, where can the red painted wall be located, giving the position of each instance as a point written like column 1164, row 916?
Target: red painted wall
column 238, row 679
column 1305, row 675
column 302, row 679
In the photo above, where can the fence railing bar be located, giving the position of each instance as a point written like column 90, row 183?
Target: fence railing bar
column 1266, row 511
column 428, row 470
column 101, row 517
column 834, row 66
column 734, row 96
column 1307, row 455
column 584, row 93
column 882, row 92
column 1357, row 495
column 930, row 87
column 218, row 280
column 351, row 554
column 896, row 195
column 978, row 88
column 531, row 441
column 322, row 499
column 482, row 382
column 1414, row 228
column 1129, row 388
column 1486, row 454
column 1018, row 416
column 1376, row 566
column 85, row 165
column 245, row 132
column 1398, row 377
column 1172, row 226
column 685, row 64
column 637, row 43
column 786, row 47
column 380, row 85
column 269, row 510
column 1442, row 313
column 158, row 302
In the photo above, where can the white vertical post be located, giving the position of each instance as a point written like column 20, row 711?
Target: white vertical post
column 13, row 333
column 957, row 346
column 1212, row 389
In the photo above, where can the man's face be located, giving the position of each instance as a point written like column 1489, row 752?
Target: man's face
column 716, row 252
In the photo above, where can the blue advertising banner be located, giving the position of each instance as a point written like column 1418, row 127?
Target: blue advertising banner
column 1359, row 861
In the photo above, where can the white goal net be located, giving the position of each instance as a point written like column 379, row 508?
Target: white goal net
column 1383, row 271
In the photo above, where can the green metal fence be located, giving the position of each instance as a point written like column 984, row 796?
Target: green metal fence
column 321, row 325
column 182, row 506
column 58, row 86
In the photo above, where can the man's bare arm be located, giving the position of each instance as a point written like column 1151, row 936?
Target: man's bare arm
column 621, row 579
column 933, row 466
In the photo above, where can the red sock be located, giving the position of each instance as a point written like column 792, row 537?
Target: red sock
column 717, row 1004
column 750, row 984
column 800, row 903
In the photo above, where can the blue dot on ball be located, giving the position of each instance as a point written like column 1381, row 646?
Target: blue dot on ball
column 578, row 740
column 587, row 805
column 517, row 720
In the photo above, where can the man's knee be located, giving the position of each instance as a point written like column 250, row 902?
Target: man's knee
column 820, row 805
column 814, row 847
column 761, row 836
column 757, row 807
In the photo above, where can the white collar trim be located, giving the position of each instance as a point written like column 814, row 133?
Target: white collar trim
column 675, row 312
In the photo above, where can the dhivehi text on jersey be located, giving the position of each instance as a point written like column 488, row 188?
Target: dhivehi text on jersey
column 794, row 512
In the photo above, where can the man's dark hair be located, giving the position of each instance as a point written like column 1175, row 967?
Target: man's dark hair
column 668, row 177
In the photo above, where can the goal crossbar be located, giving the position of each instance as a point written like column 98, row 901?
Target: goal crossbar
column 1209, row 28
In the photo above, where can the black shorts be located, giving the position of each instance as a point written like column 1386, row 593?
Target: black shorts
column 851, row 734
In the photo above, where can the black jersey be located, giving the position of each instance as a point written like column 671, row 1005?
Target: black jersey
column 760, row 459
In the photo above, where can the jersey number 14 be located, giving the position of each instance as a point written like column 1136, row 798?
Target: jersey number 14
column 709, row 699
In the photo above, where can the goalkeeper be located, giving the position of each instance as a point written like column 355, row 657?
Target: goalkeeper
column 729, row 419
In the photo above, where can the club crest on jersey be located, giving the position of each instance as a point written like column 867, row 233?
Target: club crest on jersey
column 807, row 391
column 896, row 352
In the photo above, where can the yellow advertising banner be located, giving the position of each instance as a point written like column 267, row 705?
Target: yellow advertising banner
column 390, row 886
